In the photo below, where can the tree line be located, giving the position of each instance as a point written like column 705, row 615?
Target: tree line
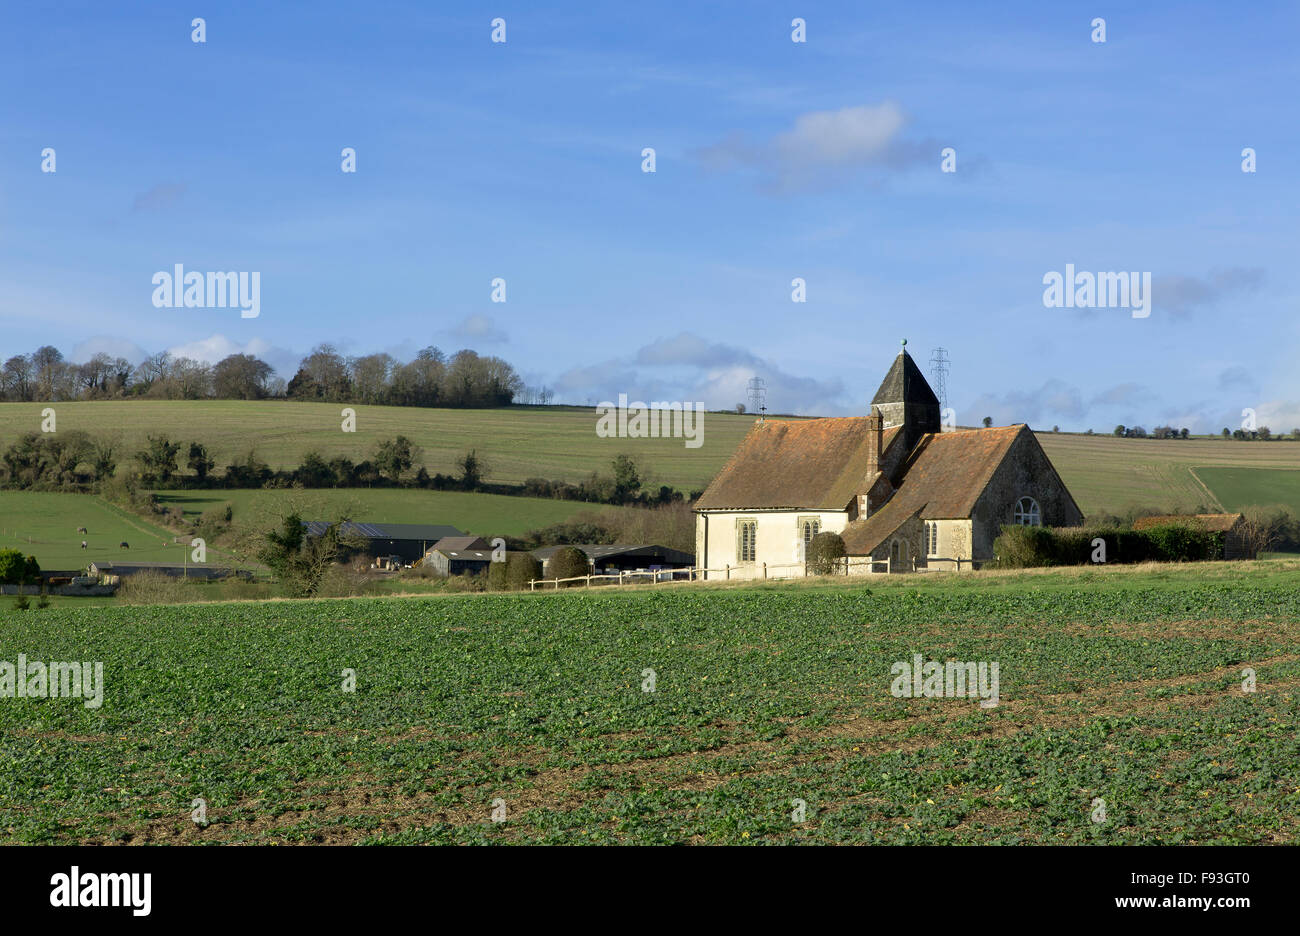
column 1169, row 432
column 75, row 460
column 465, row 379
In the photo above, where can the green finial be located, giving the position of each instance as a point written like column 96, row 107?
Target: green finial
column 904, row 342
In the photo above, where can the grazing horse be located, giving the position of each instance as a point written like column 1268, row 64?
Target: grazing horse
column 81, row 529
column 124, row 545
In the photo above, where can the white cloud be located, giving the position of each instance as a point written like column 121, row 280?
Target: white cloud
column 688, row 368
column 850, row 136
column 823, row 147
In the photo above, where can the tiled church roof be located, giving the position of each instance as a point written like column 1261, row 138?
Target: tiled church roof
column 942, row 479
column 810, row 464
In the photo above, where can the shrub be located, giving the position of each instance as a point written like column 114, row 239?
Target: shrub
column 15, row 569
column 1176, row 542
column 1265, row 528
column 1025, row 547
column 824, row 553
column 568, row 562
column 516, row 572
column 522, row 568
column 1021, row 547
column 153, row 587
column 468, row 582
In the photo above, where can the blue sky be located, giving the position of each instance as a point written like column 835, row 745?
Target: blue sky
column 775, row 160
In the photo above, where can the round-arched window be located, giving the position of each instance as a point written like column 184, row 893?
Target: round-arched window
column 1027, row 512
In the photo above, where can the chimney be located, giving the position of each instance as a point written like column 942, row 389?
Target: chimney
column 875, row 434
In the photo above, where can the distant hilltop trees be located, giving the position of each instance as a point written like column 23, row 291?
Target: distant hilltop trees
column 465, row 379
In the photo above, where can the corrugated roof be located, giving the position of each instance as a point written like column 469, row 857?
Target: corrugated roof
column 604, row 551
column 465, row 554
column 1214, row 523
column 905, row 384
column 811, row 464
column 386, row 531
column 460, row 543
column 941, row 480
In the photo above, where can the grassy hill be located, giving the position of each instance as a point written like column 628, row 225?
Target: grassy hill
column 1109, row 474
column 1104, row 473
column 516, row 442
column 481, row 514
column 1236, row 488
column 45, row 526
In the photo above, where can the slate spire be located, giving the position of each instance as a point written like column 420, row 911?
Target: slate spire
column 905, row 399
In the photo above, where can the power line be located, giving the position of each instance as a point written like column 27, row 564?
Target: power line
column 758, row 396
column 939, row 375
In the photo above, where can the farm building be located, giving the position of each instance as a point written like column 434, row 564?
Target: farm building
column 458, row 555
column 198, row 571
column 407, row 541
column 1230, row 525
column 625, row 558
column 904, row 494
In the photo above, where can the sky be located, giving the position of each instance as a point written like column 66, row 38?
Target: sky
column 774, row 160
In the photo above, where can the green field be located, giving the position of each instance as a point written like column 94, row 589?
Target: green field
column 481, row 514
column 1112, row 475
column 1120, row 684
column 516, row 443
column 1237, row 488
column 1105, row 474
column 45, row 526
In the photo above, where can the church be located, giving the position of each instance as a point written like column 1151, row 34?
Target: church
column 905, row 495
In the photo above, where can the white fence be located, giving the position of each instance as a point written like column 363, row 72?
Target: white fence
column 701, row 573
column 751, row 572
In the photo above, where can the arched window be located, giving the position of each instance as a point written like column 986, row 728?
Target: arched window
column 1027, row 513
column 809, row 527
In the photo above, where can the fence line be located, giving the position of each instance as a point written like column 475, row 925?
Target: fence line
column 844, row 566
column 697, row 573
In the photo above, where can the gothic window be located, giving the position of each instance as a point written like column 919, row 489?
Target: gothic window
column 1027, row 512
column 808, row 528
column 932, row 537
column 746, row 540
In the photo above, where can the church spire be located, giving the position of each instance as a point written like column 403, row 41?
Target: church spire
column 905, row 399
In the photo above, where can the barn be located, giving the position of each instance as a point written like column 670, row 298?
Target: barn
column 624, row 557
column 407, row 541
column 193, row 570
column 458, row 555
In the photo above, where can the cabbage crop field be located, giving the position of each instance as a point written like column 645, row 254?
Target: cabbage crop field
column 1132, row 707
